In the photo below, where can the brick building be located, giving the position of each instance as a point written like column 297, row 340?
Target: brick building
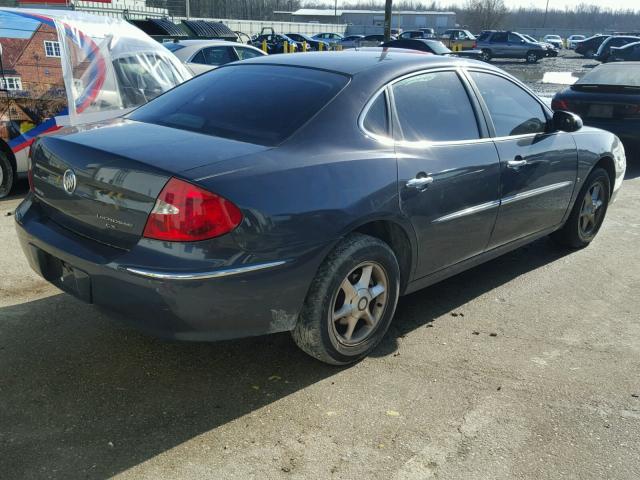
column 32, row 67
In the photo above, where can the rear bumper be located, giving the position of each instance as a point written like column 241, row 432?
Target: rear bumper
column 215, row 301
column 626, row 130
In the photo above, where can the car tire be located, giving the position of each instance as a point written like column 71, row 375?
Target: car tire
column 588, row 212
column 337, row 327
column 486, row 55
column 7, row 175
column 532, row 57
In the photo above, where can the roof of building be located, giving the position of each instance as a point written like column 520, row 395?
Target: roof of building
column 330, row 12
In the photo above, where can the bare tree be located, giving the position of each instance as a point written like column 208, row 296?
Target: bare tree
column 484, row 14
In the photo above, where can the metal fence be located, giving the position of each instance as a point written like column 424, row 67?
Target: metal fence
column 250, row 27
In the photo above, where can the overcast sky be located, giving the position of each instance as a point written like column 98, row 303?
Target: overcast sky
column 616, row 4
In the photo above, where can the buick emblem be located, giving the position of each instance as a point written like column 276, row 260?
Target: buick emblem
column 69, row 181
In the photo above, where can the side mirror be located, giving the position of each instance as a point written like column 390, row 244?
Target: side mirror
column 566, row 121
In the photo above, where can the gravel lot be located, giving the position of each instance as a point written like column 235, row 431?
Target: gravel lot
column 525, row 367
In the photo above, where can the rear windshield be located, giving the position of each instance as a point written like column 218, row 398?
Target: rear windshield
column 622, row 75
column 261, row 104
column 173, row 47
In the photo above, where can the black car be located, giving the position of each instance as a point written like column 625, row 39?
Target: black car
column 607, row 97
column 221, row 209
column 275, row 43
column 629, row 53
column 435, row 47
column 604, row 52
column 314, row 45
column 590, row 46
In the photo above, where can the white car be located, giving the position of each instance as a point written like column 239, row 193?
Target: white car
column 555, row 40
column 573, row 41
column 200, row 56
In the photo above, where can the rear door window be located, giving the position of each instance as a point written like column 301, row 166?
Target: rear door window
column 499, row 37
column 434, row 107
column 376, row 120
column 216, row 56
column 512, row 109
column 244, row 53
column 239, row 102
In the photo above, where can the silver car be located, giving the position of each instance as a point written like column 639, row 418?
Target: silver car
column 200, row 56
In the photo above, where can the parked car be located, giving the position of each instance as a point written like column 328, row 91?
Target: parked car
column 501, row 44
column 604, row 51
column 435, row 47
column 350, row 41
column 590, row 46
column 572, row 41
column 330, row 38
column 275, row 43
column 313, row 44
column 607, row 97
column 371, row 41
column 200, row 56
column 555, row 40
column 429, row 32
column 629, row 53
column 200, row 248
column 409, row 34
column 550, row 49
column 464, row 38
column 87, row 67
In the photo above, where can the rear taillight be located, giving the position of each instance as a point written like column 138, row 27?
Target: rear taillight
column 475, row 45
column 186, row 213
column 557, row 104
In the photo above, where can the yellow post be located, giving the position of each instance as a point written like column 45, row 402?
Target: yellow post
column 264, row 46
column 320, row 44
column 339, row 48
column 285, row 47
column 304, row 46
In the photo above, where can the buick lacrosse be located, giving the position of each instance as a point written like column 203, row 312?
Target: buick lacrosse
column 306, row 193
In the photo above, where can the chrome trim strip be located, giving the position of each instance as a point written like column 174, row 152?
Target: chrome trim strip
column 227, row 272
column 468, row 211
column 534, row 192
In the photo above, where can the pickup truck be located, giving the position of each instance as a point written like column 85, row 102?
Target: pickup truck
column 456, row 38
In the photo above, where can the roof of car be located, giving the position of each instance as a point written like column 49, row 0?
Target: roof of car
column 192, row 46
column 353, row 62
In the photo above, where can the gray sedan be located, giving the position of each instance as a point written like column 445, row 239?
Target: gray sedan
column 307, row 193
column 203, row 55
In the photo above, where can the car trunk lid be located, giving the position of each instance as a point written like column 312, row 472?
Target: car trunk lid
column 103, row 183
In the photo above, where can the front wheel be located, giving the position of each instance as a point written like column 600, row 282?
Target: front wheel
column 7, row 175
column 351, row 301
column 588, row 212
column 532, row 57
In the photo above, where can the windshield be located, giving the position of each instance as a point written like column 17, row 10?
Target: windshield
column 241, row 102
column 438, row 48
column 172, row 46
column 552, row 37
column 619, row 75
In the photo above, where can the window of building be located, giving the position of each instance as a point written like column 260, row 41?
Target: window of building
column 51, row 48
column 11, row 83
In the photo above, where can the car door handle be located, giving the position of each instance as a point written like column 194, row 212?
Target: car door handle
column 420, row 182
column 517, row 162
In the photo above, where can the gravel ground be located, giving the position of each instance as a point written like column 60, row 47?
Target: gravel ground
column 525, row 367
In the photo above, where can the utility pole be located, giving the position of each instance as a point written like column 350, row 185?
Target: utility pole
column 546, row 10
column 187, row 9
column 335, row 11
column 387, row 20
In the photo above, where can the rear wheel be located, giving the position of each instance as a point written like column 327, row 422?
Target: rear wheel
column 486, row 55
column 588, row 212
column 351, row 301
column 532, row 57
column 7, row 175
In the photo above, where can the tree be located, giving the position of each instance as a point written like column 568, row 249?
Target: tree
column 484, row 14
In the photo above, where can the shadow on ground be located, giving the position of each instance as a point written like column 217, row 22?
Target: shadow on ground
column 81, row 396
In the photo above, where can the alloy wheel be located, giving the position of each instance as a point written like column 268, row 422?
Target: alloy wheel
column 359, row 304
column 591, row 210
